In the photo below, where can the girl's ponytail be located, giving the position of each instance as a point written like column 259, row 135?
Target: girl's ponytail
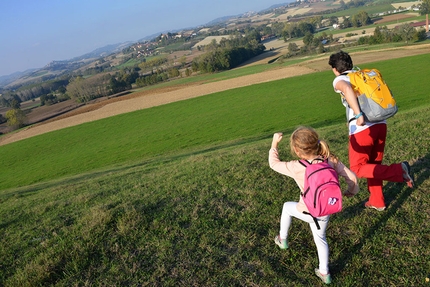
column 324, row 151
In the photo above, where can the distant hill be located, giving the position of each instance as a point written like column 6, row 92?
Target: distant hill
column 221, row 20
column 5, row 80
column 59, row 67
column 104, row 51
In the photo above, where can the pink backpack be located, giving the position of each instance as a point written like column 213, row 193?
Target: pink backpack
column 322, row 193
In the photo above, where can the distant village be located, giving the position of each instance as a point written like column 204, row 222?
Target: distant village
column 149, row 48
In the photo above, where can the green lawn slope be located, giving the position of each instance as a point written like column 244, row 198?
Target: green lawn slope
column 182, row 194
column 219, row 119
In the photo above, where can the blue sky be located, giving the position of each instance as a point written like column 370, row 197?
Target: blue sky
column 36, row 32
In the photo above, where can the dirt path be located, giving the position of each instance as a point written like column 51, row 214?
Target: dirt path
column 138, row 101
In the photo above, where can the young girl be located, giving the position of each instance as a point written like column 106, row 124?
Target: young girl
column 306, row 145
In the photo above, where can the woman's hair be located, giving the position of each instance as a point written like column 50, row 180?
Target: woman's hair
column 306, row 141
column 341, row 61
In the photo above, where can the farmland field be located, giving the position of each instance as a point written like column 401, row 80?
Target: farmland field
column 142, row 100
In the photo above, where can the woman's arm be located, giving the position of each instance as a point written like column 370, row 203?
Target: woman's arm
column 351, row 98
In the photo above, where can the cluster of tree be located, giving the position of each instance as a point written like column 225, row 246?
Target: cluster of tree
column 225, row 59
column 50, row 92
column 155, row 71
column 153, row 63
column 33, row 91
column 152, row 78
column 12, row 101
column 16, row 118
column 298, row 29
column 358, row 20
column 352, row 4
column 161, row 75
column 86, row 89
column 404, row 32
column 96, row 70
column 229, row 53
column 123, row 80
column 49, row 99
column 53, row 98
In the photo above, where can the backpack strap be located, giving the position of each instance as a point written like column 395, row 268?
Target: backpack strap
column 314, row 218
column 305, row 163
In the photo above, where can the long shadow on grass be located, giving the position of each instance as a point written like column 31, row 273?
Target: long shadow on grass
column 394, row 200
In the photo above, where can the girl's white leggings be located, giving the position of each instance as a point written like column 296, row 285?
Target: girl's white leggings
column 288, row 211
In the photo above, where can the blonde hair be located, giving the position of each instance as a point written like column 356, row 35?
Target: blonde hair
column 306, row 142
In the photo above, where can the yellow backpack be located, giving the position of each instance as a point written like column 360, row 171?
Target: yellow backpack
column 374, row 96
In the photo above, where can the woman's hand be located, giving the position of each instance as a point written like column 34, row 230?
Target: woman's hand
column 360, row 121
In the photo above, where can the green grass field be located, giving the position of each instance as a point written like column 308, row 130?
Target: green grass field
column 238, row 115
column 182, row 194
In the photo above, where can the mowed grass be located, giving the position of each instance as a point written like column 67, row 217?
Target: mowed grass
column 199, row 206
column 225, row 118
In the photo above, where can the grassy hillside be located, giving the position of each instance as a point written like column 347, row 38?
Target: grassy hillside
column 182, row 195
column 208, row 219
column 225, row 118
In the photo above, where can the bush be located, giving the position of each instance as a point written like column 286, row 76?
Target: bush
column 15, row 118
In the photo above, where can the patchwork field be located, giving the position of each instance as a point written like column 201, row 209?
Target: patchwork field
column 147, row 99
